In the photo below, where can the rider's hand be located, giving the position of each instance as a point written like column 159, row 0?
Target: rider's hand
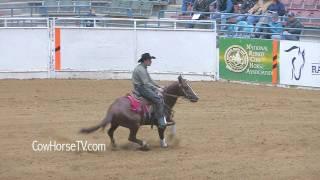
column 160, row 89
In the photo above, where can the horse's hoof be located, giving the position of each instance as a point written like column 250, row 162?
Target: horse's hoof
column 114, row 147
column 164, row 146
column 145, row 147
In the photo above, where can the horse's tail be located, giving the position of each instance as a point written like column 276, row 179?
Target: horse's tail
column 102, row 125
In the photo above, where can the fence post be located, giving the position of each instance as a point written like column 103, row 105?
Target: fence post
column 51, row 27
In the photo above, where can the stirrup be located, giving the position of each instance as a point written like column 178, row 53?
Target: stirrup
column 166, row 125
column 170, row 123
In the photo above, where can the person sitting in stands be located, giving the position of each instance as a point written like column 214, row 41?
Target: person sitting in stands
column 292, row 22
column 222, row 6
column 91, row 14
column 268, row 27
column 225, row 6
column 258, row 9
column 202, row 6
column 241, row 28
column 277, row 6
column 245, row 6
column 186, row 4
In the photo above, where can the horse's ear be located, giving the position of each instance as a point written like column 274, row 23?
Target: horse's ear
column 180, row 78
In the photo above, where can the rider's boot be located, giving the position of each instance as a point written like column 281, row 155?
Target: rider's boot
column 162, row 122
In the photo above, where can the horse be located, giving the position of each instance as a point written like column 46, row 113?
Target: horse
column 120, row 114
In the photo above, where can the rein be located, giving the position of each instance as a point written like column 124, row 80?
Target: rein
column 171, row 95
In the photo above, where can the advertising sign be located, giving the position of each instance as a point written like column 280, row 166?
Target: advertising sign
column 250, row 60
column 300, row 63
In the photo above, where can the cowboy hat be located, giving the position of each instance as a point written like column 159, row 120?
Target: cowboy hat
column 146, row 56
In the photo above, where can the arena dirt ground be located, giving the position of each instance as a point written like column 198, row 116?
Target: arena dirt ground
column 235, row 131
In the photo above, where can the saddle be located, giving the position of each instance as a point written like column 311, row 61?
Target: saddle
column 140, row 105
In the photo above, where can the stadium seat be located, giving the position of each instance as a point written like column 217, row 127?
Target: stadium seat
column 297, row 4
column 142, row 9
column 119, row 8
column 66, row 6
column 287, row 3
column 50, row 3
column 310, row 4
column 146, row 9
column 82, row 6
column 51, row 6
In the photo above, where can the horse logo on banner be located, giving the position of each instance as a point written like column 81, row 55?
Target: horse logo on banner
column 297, row 61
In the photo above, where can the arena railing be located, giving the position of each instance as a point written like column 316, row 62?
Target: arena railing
column 163, row 24
column 118, row 23
column 33, row 22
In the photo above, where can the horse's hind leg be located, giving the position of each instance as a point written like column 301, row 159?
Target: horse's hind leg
column 113, row 127
column 133, row 138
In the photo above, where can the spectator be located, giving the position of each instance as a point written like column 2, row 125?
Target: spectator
column 202, row 6
column 267, row 27
column 243, row 29
column 240, row 28
column 91, row 14
column 222, row 6
column 186, row 4
column 277, row 6
column 293, row 22
column 258, row 9
column 225, row 6
column 244, row 8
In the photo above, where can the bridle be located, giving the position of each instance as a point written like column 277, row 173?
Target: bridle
column 185, row 94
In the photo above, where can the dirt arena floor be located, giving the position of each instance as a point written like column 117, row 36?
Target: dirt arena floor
column 234, row 132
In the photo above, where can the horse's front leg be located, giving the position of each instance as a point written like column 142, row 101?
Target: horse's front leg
column 163, row 142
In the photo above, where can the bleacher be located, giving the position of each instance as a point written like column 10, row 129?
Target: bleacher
column 308, row 9
column 103, row 8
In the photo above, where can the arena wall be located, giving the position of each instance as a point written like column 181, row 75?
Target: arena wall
column 24, row 53
column 113, row 53
column 94, row 53
column 105, row 53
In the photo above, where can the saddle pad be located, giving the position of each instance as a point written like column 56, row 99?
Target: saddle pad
column 136, row 105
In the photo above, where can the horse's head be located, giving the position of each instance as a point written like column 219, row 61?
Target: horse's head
column 186, row 90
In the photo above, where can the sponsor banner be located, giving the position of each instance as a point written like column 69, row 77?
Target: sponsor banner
column 250, row 60
column 300, row 63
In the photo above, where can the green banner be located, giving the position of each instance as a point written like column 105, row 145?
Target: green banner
column 247, row 60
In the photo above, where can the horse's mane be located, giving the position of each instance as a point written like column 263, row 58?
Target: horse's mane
column 171, row 87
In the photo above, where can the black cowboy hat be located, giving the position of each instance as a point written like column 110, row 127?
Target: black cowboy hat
column 146, row 56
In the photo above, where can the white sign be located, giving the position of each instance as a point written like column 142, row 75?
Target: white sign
column 300, row 63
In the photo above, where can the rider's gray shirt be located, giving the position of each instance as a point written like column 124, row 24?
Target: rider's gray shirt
column 141, row 77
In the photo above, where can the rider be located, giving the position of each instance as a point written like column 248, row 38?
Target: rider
column 146, row 87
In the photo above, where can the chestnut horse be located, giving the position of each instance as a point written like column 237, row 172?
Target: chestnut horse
column 120, row 114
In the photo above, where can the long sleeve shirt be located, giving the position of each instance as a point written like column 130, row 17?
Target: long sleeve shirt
column 201, row 5
column 141, row 77
column 277, row 7
column 294, row 24
column 277, row 27
column 225, row 6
